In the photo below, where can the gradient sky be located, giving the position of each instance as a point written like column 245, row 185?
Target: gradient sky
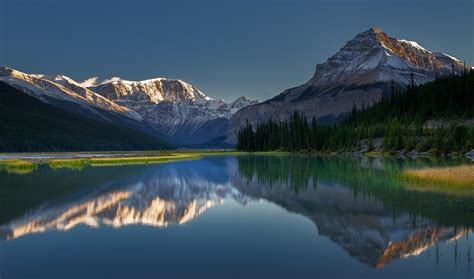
column 227, row 48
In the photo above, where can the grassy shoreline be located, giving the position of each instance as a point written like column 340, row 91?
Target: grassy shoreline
column 451, row 180
column 27, row 162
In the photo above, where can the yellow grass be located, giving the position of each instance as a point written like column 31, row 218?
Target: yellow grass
column 18, row 166
column 447, row 179
column 75, row 164
column 117, row 161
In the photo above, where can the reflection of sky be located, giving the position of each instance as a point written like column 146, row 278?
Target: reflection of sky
column 226, row 48
column 267, row 235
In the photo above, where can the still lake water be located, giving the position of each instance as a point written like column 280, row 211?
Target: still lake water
column 233, row 217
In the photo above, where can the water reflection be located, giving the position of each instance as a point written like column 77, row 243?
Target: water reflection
column 358, row 203
column 157, row 197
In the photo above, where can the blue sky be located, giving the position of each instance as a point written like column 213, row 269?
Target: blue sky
column 227, row 48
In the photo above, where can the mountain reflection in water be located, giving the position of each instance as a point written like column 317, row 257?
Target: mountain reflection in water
column 358, row 203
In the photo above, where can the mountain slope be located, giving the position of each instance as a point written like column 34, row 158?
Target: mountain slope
column 28, row 124
column 359, row 74
column 169, row 109
column 174, row 107
column 64, row 93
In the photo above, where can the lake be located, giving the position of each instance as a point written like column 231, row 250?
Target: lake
column 233, row 217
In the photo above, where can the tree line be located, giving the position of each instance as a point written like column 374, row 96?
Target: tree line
column 399, row 120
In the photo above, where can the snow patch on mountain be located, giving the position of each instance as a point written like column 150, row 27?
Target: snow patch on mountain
column 414, row 44
column 92, row 81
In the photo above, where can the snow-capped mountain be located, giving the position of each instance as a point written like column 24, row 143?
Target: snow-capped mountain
column 359, row 73
column 64, row 93
column 148, row 93
column 385, row 59
column 168, row 108
column 61, row 88
column 174, row 106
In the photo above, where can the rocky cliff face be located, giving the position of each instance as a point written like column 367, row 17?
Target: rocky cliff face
column 360, row 73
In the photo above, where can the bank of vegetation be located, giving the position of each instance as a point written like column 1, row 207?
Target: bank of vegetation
column 457, row 178
column 79, row 161
column 397, row 123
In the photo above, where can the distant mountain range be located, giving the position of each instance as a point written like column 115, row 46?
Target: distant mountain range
column 169, row 109
column 172, row 110
column 359, row 74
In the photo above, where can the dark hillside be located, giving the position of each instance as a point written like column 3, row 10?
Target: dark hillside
column 27, row 125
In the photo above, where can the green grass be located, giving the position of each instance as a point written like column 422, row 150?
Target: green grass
column 118, row 159
column 449, row 180
column 74, row 164
column 18, row 166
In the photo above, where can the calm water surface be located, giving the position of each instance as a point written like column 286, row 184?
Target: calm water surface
column 233, row 217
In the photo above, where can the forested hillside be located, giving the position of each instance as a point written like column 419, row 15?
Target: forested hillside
column 27, row 124
column 401, row 120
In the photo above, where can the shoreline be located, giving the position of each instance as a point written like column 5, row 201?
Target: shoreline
column 41, row 157
column 27, row 162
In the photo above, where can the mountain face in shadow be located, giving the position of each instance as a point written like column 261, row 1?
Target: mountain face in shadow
column 28, row 124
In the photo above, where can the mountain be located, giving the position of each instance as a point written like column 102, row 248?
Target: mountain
column 64, row 93
column 359, row 74
column 28, row 124
column 168, row 109
column 175, row 107
column 51, row 89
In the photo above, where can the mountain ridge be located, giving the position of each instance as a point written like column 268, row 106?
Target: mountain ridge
column 359, row 74
column 169, row 109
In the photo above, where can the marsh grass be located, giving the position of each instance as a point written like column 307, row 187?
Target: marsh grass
column 18, row 166
column 119, row 161
column 452, row 180
column 72, row 164
column 143, row 158
column 112, row 159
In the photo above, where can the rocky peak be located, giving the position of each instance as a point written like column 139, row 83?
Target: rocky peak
column 359, row 73
column 5, row 71
column 374, row 56
column 137, row 94
column 242, row 102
